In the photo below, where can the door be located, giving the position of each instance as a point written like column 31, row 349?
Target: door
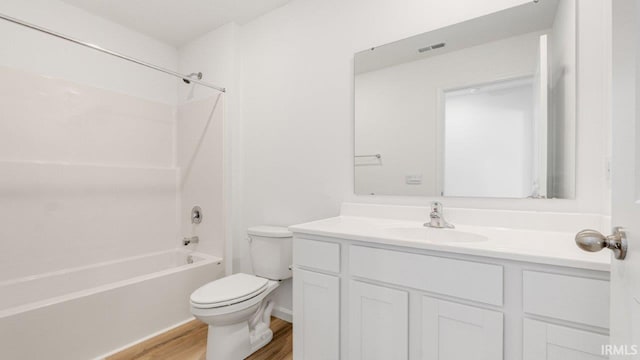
column 378, row 322
column 316, row 306
column 453, row 331
column 625, row 183
column 625, row 275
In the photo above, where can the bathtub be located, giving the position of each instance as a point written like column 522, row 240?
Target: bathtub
column 92, row 311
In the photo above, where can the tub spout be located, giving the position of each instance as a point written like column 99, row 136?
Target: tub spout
column 190, row 240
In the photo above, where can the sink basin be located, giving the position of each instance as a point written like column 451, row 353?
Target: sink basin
column 434, row 235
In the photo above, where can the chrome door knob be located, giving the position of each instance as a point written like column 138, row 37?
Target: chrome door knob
column 593, row 241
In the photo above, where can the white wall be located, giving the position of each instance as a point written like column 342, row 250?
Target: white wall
column 398, row 109
column 297, row 107
column 40, row 53
column 211, row 181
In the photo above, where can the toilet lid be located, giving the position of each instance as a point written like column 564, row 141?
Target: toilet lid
column 229, row 290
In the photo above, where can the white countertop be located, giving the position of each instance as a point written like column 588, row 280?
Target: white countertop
column 537, row 246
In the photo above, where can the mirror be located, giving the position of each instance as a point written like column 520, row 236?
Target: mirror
column 483, row 108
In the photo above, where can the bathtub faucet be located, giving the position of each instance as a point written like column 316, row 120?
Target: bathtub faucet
column 190, row 240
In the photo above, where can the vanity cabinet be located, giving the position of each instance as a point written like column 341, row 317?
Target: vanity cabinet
column 355, row 300
column 554, row 342
column 571, row 299
column 452, row 331
column 317, row 304
column 575, row 299
column 378, row 318
column 316, row 300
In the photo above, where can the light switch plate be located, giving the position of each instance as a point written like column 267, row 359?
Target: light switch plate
column 413, row 179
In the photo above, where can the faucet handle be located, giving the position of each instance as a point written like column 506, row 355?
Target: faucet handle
column 190, row 240
column 437, row 217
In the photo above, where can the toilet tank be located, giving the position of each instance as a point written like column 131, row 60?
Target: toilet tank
column 271, row 248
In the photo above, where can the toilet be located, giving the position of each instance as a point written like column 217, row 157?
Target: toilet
column 237, row 308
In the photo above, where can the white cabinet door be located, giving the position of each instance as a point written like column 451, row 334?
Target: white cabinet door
column 316, row 316
column 543, row 341
column 453, row 331
column 378, row 322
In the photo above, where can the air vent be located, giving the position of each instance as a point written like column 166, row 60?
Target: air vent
column 431, row 47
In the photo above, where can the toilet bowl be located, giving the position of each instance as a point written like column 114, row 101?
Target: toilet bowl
column 237, row 308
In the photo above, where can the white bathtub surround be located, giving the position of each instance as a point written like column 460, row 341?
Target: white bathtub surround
column 199, row 148
column 48, row 119
column 84, row 308
column 91, row 181
column 61, row 216
column 490, row 292
column 89, row 175
column 94, row 179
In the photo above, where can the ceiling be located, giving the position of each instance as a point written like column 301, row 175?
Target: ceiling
column 177, row 22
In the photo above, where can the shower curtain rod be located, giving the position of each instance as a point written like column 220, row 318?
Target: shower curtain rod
column 109, row 52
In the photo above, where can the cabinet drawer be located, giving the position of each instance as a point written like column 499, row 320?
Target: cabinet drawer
column 567, row 298
column 463, row 279
column 317, row 254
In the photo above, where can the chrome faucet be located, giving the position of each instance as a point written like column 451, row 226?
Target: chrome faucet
column 436, row 217
column 190, row 240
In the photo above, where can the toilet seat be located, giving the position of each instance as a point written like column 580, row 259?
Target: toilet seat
column 228, row 291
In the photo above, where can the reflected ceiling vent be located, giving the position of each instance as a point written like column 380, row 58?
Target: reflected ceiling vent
column 432, row 47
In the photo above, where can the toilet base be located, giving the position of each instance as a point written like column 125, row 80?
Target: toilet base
column 228, row 342
column 260, row 337
column 234, row 342
column 238, row 341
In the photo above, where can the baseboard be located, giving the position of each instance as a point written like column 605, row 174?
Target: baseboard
column 278, row 312
column 122, row 348
column 283, row 314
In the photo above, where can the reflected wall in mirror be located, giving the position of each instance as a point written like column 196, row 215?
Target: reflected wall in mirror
column 483, row 108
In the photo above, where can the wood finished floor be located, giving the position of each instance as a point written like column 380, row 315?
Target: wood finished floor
column 189, row 342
